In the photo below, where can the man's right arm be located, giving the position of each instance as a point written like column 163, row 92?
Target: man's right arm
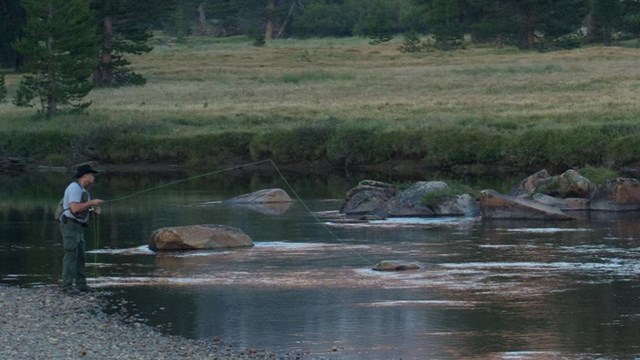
column 77, row 207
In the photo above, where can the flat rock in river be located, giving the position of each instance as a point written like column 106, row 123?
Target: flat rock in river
column 497, row 206
column 197, row 237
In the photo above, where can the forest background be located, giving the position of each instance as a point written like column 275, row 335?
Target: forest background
column 387, row 84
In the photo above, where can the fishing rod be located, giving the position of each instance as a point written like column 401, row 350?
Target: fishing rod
column 279, row 173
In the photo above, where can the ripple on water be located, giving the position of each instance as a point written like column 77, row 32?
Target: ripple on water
column 440, row 303
column 404, row 222
column 545, row 230
column 138, row 250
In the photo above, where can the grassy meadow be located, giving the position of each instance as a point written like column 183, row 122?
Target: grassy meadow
column 350, row 103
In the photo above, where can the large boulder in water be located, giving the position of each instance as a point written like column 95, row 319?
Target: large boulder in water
column 497, row 206
column 410, row 201
column 196, row 237
column 367, row 197
column 621, row 194
column 530, row 184
column 569, row 184
column 261, row 196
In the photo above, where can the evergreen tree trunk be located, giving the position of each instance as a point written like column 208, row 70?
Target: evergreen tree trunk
column 102, row 75
column 3, row 88
column 202, row 19
column 607, row 35
column 526, row 35
column 589, row 26
column 286, row 21
column 52, row 102
column 271, row 15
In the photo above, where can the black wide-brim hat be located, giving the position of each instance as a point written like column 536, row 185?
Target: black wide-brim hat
column 84, row 169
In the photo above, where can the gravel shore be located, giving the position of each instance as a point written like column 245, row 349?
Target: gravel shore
column 44, row 323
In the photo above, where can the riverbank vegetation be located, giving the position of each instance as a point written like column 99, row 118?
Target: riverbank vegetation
column 345, row 102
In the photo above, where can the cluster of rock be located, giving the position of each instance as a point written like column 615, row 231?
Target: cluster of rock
column 539, row 196
column 385, row 200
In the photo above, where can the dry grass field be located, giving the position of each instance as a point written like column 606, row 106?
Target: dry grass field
column 502, row 98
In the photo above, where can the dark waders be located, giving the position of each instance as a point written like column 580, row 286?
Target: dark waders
column 73, row 262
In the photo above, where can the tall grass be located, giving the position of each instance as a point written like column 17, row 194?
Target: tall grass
column 351, row 103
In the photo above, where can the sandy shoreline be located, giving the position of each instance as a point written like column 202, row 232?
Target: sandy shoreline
column 44, row 323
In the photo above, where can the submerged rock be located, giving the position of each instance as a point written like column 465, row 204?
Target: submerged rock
column 271, row 208
column 261, row 196
column 396, row 265
column 196, row 237
column 497, row 206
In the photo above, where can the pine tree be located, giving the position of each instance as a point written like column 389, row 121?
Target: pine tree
column 60, row 51
column 607, row 15
column 12, row 19
column 529, row 23
column 443, row 17
column 411, row 43
column 378, row 21
column 124, row 27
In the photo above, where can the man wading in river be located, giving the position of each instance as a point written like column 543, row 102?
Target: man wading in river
column 78, row 206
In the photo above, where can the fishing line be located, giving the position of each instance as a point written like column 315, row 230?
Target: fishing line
column 185, row 180
column 293, row 191
column 96, row 242
column 96, row 223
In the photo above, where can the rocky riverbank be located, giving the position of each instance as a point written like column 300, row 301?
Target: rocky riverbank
column 44, row 323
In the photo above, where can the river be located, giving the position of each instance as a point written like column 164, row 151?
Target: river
column 486, row 289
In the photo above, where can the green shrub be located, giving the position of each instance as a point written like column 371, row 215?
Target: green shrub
column 352, row 145
column 399, row 144
column 258, row 40
column 624, row 149
column 34, row 145
column 411, row 43
column 598, row 175
column 457, row 145
column 455, row 188
column 298, row 144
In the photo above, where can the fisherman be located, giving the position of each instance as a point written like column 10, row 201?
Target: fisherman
column 78, row 206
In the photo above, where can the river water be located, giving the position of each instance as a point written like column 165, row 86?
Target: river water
column 486, row 289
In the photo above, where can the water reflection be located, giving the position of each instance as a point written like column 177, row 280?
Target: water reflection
column 488, row 289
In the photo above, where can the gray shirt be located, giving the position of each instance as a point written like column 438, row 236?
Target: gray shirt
column 75, row 193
